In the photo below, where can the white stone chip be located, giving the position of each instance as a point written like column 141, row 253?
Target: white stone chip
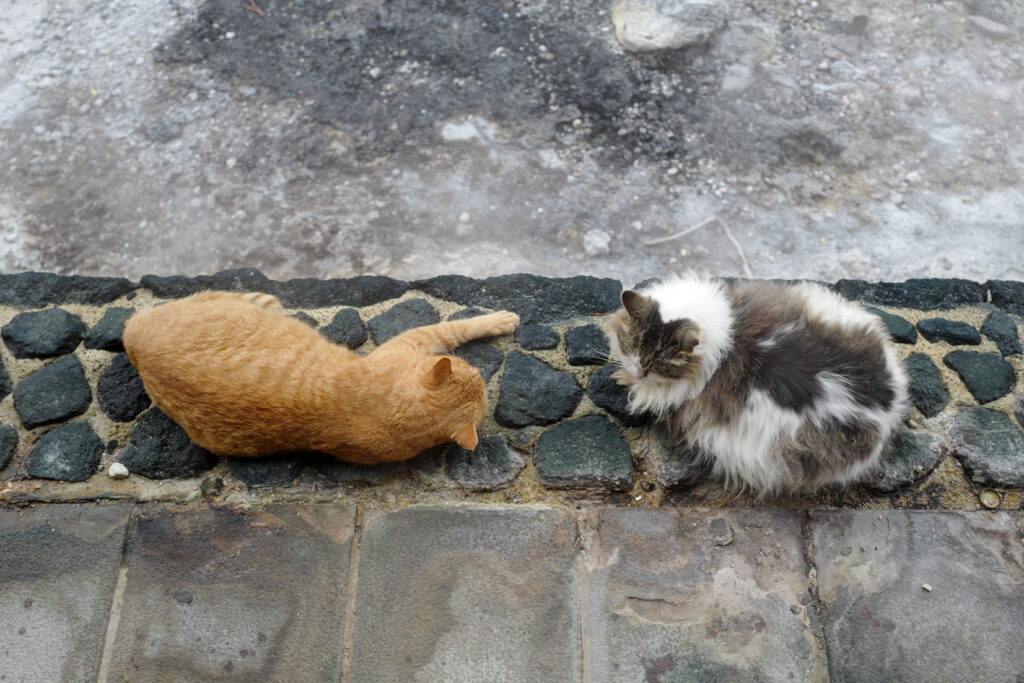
column 117, row 471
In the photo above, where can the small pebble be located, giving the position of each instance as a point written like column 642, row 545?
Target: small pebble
column 117, row 471
column 927, row 587
column 989, row 498
column 846, row 551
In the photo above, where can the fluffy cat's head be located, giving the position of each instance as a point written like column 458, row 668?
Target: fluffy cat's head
column 453, row 393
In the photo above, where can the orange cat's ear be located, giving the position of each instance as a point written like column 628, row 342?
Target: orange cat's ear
column 466, row 437
column 439, row 373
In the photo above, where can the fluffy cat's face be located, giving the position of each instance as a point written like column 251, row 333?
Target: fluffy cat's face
column 650, row 349
column 455, row 391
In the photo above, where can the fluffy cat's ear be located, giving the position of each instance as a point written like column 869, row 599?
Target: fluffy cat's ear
column 436, row 376
column 634, row 302
column 690, row 340
column 466, row 437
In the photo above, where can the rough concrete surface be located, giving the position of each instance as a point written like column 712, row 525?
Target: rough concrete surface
column 58, row 569
column 921, row 596
column 869, row 139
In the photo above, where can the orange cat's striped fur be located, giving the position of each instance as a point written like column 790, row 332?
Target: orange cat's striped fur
column 242, row 378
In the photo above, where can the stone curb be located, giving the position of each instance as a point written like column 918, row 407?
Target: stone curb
column 967, row 354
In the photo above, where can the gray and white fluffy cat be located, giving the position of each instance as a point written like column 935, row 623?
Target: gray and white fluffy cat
column 783, row 388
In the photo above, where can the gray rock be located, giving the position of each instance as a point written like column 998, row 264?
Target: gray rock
column 587, row 452
column 586, row 345
column 926, row 388
column 304, row 317
column 678, row 464
column 493, row 465
column 991, row 28
column 990, row 446
column 467, row 313
column 351, row 473
column 746, row 42
column 949, row 331
column 924, row 294
column 6, row 385
column 346, row 328
column 881, row 625
column 8, row 442
column 69, row 452
column 987, row 375
column 120, row 391
column 908, row 457
column 900, row 329
column 36, row 290
column 1018, row 409
column 736, row 79
column 536, row 337
column 1007, row 295
column 106, row 334
column 484, row 358
column 655, row 25
column 1000, row 328
column 609, row 395
column 42, row 334
column 159, row 449
column 534, row 393
column 278, row 470
column 401, row 317
column 54, row 393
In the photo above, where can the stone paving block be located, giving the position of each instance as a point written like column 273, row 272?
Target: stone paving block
column 56, row 392
column 882, row 625
column 586, row 345
column 42, row 334
column 218, row 594
column 468, row 594
column 926, row 388
column 588, row 452
column 402, row 316
column 107, row 333
column 697, row 595
column 534, row 393
column 58, row 569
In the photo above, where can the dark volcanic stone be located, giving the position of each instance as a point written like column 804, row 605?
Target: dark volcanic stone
column 908, row 456
column 363, row 290
column 159, row 449
column 926, row 388
column 304, row 317
column 534, row 393
column 346, row 328
column 348, row 473
column 923, row 294
column 990, row 446
column 52, row 394
column 484, row 358
column 120, row 392
column 237, row 280
column 36, row 290
column 70, row 452
column 1001, row 329
column 6, row 385
column 106, row 334
column 586, row 345
column 1018, row 409
column 584, row 453
column 536, row 337
column 401, row 317
column 493, row 465
column 536, row 299
column 1007, row 295
column 608, row 394
column 467, row 313
column 42, row 334
column 949, row 331
column 679, row 463
column 987, row 375
column 900, row 329
column 8, row 442
column 278, row 470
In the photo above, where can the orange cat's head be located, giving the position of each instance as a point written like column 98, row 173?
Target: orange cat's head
column 454, row 390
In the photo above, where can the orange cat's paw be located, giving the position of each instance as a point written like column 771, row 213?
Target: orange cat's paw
column 502, row 322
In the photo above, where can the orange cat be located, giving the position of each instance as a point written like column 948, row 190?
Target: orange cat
column 242, row 378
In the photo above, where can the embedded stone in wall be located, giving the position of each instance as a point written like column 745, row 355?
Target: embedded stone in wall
column 534, row 393
column 493, row 465
column 304, row 317
column 277, row 470
column 120, row 391
column 950, row 331
column 69, row 452
column 402, row 316
column 8, row 442
column 235, row 280
column 351, row 473
column 1001, row 329
column 587, row 452
column 483, row 357
column 159, row 449
column 6, row 385
column 1007, row 295
column 362, row 290
column 920, row 293
column 908, row 457
column 43, row 334
column 536, row 337
column 926, row 388
column 54, row 393
column 586, row 345
column 987, row 375
column 346, row 328
column 36, row 290
column 608, row 394
column 106, row 334
column 467, row 313
column 1018, row 409
column 900, row 329
column 678, row 464
column 990, row 446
